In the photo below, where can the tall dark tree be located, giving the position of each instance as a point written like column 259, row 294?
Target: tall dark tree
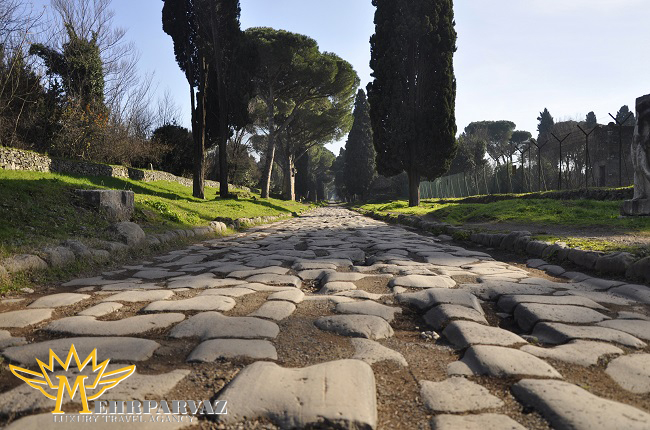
column 546, row 122
column 181, row 22
column 624, row 117
column 360, row 169
column 338, row 169
column 412, row 98
column 591, row 120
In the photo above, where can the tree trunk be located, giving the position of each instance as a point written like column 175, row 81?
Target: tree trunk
column 270, row 150
column 223, row 110
column 199, row 136
column 414, row 189
column 290, row 179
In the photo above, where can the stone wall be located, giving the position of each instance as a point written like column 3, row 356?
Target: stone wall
column 16, row 159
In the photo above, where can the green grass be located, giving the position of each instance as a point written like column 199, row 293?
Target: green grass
column 38, row 209
column 591, row 244
column 537, row 212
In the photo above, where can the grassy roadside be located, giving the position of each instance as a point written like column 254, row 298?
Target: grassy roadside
column 537, row 215
column 41, row 209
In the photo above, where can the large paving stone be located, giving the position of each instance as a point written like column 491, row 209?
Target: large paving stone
column 257, row 287
column 503, row 362
column 639, row 293
column 556, row 333
column 271, row 279
column 206, row 280
column 314, row 274
column 101, row 309
column 343, row 277
column 632, row 372
column 468, row 333
column 337, row 287
column 492, row 290
column 475, row 422
column 198, row 303
column 212, row 350
column 637, row 328
column 139, row 296
column 529, row 314
column 275, row 270
column 509, row 303
column 581, row 352
column 120, row 349
column 366, row 326
column 213, row 325
column 89, row 326
column 58, row 300
column 128, row 286
column 156, row 274
column 443, row 259
column 431, row 297
column 567, row 406
column 440, row 316
column 361, row 294
column 294, row 296
column 24, row 318
column 228, row 292
column 369, row 308
column 422, row 281
column 456, row 395
column 337, row 394
column 275, row 310
column 373, row 352
column 85, row 282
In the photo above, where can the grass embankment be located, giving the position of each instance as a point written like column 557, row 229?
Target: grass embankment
column 38, row 209
column 543, row 217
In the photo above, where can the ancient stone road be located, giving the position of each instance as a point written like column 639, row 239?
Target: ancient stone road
column 319, row 317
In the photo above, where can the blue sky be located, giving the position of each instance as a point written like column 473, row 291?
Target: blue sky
column 514, row 57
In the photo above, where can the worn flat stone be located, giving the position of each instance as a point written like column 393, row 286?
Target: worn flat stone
column 369, row 308
column 336, row 287
column 361, row 294
column 212, row 350
column 373, row 352
column 456, row 395
column 422, row 281
column 443, row 259
column 567, row 406
column 556, row 333
column 206, row 280
column 314, row 274
column 293, row 296
column 596, row 296
column 58, row 300
column 129, row 286
column 431, row 297
column 529, row 314
column 267, row 288
column 296, row 398
column 156, row 274
column 552, row 269
column 637, row 328
column 271, row 279
column 492, row 290
column 597, row 284
column 343, row 277
column 101, row 309
column 366, row 326
column 503, row 362
column 274, row 310
column 440, row 316
column 313, row 265
column 118, row 349
column 468, row 333
column 475, row 422
column 638, row 293
column 139, row 296
column 24, row 318
column 87, row 282
column 213, row 325
column 509, row 303
column 580, row 352
column 632, row 372
column 89, row 326
column 199, row 303
column 275, row 270
column 228, row 292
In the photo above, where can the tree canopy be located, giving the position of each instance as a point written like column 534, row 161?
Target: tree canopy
column 412, row 96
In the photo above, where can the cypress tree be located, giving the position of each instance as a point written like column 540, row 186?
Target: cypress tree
column 360, row 168
column 412, row 98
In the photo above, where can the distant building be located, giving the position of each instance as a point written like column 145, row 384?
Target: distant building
column 604, row 154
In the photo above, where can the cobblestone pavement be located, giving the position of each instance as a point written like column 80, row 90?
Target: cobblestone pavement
column 337, row 320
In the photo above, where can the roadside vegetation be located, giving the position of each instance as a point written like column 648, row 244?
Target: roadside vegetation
column 38, row 209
